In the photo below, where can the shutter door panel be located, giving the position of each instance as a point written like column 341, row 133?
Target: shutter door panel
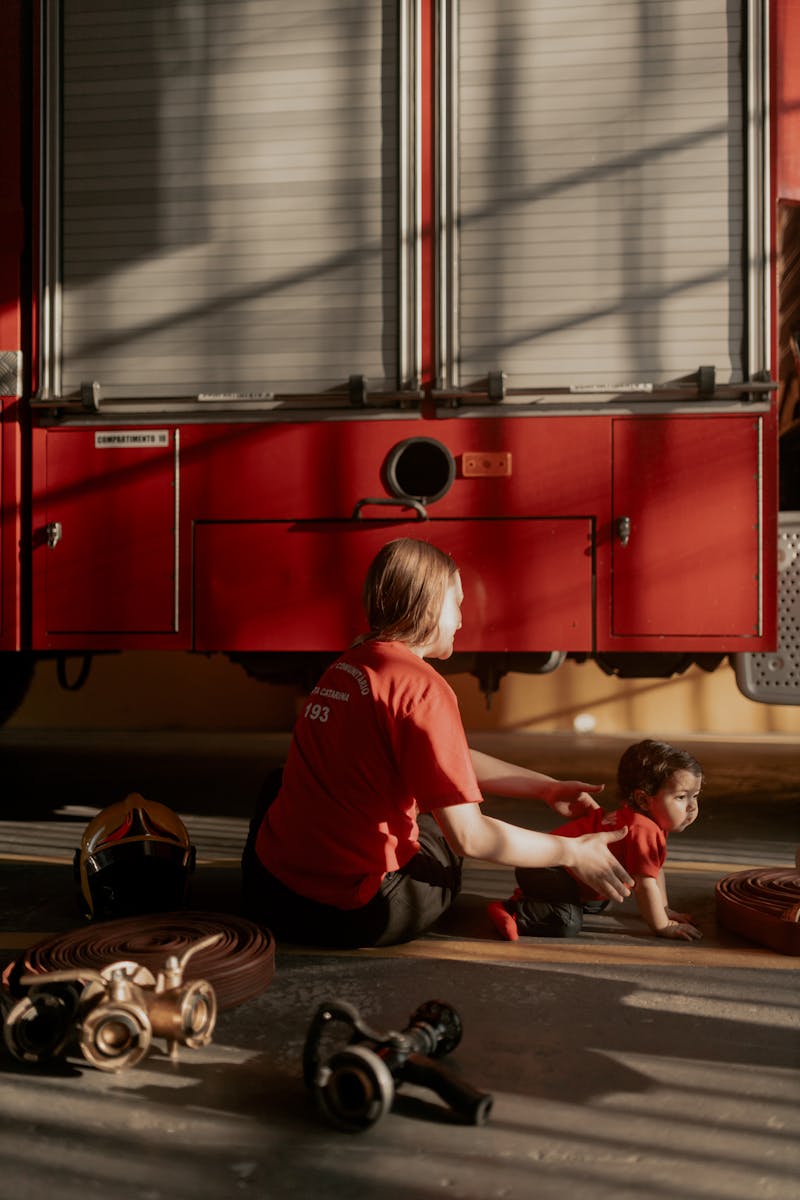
column 601, row 176
column 229, row 181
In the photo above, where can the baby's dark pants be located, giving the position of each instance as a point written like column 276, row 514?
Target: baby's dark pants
column 550, row 904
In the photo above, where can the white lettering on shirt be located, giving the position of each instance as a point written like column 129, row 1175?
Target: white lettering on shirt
column 330, row 693
column 358, row 675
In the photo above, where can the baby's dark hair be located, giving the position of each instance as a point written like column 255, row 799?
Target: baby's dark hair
column 647, row 765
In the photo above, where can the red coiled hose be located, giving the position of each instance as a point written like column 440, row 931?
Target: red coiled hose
column 239, row 967
column 762, row 905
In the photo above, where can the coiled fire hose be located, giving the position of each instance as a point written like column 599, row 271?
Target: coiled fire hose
column 239, row 966
column 111, row 988
column 762, row 905
column 355, row 1086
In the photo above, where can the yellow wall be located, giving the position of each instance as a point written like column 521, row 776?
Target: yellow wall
column 166, row 691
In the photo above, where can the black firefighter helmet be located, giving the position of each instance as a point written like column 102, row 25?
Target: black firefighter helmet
column 135, row 857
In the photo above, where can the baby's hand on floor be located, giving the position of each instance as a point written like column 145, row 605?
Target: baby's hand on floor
column 682, row 931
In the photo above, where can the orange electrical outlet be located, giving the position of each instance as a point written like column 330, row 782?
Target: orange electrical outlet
column 489, row 462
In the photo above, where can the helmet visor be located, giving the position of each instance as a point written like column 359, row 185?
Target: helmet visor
column 138, row 877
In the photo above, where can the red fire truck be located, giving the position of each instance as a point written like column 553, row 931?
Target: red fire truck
column 281, row 281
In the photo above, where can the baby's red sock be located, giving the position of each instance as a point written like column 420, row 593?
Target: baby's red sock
column 503, row 921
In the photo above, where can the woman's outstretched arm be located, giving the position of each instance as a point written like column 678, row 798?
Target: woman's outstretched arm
column 471, row 833
column 569, row 798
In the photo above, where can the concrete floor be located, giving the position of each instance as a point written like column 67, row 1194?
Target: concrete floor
column 618, row 1063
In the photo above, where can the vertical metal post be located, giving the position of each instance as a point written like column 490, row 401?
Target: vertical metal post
column 49, row 373
column 447, row 196
column 409, row 322
column 759, row 210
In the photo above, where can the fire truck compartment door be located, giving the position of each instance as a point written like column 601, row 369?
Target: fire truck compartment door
column 528, row 583
column 106, row 545
column 690, row 491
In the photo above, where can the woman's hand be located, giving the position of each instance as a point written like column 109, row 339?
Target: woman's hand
column 569, row 798
column 595, row 865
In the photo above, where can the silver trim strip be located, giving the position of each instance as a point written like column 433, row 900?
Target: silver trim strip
column 757, row 186
column 416, row 377
column 50, row 203
column 581, row 406
column 409, row 320
column 403, row 122
column 447, row 266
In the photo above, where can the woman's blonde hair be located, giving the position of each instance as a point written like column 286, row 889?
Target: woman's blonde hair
column 404, row 591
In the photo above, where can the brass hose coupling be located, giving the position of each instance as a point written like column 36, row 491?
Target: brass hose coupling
column 112, row 1014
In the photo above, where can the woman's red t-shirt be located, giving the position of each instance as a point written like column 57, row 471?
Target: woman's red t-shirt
column 379, row 740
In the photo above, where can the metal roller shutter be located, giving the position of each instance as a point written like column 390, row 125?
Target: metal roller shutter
column 229, row 184
column 601, row 190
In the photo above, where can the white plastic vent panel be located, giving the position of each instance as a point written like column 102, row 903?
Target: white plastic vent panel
column 774, row 677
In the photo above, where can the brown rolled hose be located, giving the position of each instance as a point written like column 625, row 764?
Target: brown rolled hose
column 762, row 905
column 239, row 967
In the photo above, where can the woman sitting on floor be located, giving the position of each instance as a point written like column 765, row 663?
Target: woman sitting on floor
column 358, row 842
